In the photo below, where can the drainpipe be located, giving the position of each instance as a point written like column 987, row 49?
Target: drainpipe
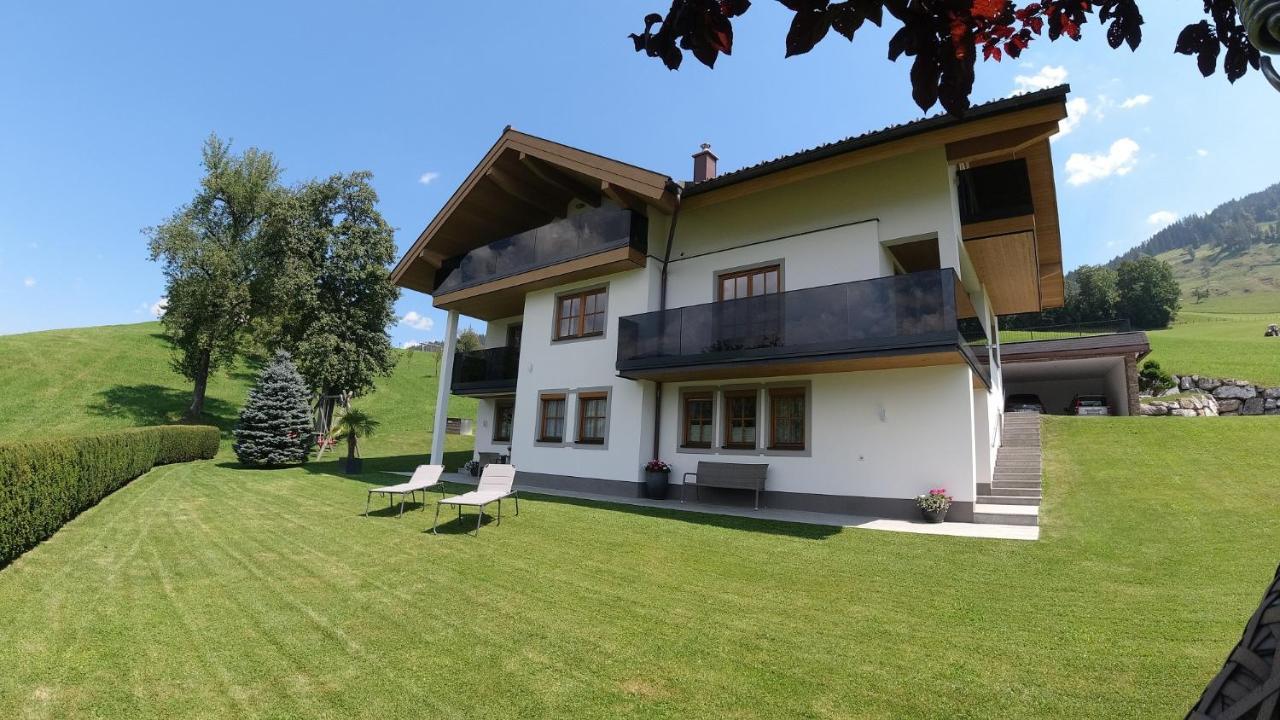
column 662, row 305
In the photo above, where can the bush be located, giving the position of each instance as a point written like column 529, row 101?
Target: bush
column 1153, row 379
column 46, row 483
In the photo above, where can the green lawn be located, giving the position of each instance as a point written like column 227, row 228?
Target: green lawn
column 101, row 378
column 204, row 590
column 1219, row 345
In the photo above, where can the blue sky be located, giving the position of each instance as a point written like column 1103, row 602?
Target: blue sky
column 103, row 107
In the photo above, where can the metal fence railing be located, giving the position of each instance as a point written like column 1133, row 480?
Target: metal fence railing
column 1070, row 330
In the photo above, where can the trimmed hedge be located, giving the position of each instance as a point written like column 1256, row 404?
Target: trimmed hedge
column 46, row 483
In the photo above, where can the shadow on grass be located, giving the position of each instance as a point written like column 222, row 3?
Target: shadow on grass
column 699, row 517
column 151, row 404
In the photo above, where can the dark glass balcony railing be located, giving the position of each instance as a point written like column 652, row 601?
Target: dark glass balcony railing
column 587, row 233
column 485, row 371
column 924, row 311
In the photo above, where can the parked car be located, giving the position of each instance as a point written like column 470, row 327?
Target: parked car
column 1023, row 402
column 1089, row 405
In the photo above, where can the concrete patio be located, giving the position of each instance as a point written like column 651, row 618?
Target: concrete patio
column 955, row 529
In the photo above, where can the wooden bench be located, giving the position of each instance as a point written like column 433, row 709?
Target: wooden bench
column 733, row 476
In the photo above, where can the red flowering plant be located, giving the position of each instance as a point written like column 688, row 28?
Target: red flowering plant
column 936, row 501
column 657, row 466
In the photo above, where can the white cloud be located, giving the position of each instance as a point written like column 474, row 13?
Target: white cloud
column 1049, row 76
column 1120, row 159
column 427, row 178
column 1077, row 109
column 1135, row 102
column 28, row 282
column 1161, row 218
column 1202, row 152
column 416, row 321
column 157, row 308
column 408, row 344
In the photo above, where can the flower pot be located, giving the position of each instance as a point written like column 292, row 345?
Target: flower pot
column 352, row 466
column 655, row 484
column 933, row 516
column 475, row 470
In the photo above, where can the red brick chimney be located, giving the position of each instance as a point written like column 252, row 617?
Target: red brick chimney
column 704, row 164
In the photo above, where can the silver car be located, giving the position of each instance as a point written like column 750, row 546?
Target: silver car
column 1089, row 405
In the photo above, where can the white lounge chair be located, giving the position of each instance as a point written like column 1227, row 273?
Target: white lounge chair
column 495, row 484
column 426, row 476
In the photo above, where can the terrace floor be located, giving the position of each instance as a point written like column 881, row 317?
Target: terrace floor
column 865, row 522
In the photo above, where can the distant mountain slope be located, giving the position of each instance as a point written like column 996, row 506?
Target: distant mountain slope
column 1232, row 253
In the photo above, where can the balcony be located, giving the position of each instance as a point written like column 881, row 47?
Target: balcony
column 914, row 320
column 486, row 372
column 593, row 242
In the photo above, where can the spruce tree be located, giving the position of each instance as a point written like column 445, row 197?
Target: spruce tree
column 275, row 424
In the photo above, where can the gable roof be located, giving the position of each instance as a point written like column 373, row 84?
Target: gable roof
column 878, row 137
column 524, row 182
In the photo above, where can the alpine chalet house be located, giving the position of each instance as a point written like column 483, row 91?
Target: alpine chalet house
column 832, row 313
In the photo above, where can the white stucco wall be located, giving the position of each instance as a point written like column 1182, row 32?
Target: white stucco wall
column 586, row 364
column 885, row 433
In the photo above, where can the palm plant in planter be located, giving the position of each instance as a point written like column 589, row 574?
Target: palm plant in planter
column 657, row 476
column 934, row 506
column 351, row 426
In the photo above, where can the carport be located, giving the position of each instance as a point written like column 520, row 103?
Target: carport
column 1058, row 370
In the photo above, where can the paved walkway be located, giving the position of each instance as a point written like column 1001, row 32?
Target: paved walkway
column 957, row 529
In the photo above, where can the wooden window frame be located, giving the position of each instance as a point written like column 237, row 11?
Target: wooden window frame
column 729, row 396
column 581, row 316
column 542, row 416
column 583, row 399
column 787, row 392
column 708, row 397
column 497, row 419
column 749, row 273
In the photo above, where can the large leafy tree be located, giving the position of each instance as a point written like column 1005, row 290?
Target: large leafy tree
column 1148, row 293
column 945, row 37
column 1094, row 295
column 333, row 295
column 212, row 250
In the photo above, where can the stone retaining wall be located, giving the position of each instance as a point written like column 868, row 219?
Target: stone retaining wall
column 1231, row 397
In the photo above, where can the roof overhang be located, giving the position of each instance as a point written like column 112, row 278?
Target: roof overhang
column 525, row 182
column 1134, row 344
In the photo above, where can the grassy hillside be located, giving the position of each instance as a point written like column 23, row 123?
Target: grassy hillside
column 1220, row 345
column 1242, row 281
column 88, row 379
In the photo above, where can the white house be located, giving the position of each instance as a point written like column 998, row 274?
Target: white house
column 832, row 313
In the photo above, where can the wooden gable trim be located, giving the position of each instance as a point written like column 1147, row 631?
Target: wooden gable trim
column 638, row 184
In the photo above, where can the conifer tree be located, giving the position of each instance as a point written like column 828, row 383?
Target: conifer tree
column 275, row 424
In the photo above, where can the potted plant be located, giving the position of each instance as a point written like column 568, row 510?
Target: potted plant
column 471, row 467
column 352, row 426
column 934, row 506
column 657, row 475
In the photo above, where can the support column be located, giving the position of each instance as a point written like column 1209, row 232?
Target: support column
column 1131, row 385
column 442, row 392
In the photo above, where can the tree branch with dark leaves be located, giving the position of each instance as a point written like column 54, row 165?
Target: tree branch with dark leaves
column 945, row 37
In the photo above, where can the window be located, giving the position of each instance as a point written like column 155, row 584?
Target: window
column 551, row 418
column 581, row 314
column 698, row 409
column 749, row 283
column 751, row 320
column 593, row 411
column 786, row 419
column 504, row 417
column 740, row 419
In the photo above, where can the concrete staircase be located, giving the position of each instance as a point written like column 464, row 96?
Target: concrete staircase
column 1014, row 495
